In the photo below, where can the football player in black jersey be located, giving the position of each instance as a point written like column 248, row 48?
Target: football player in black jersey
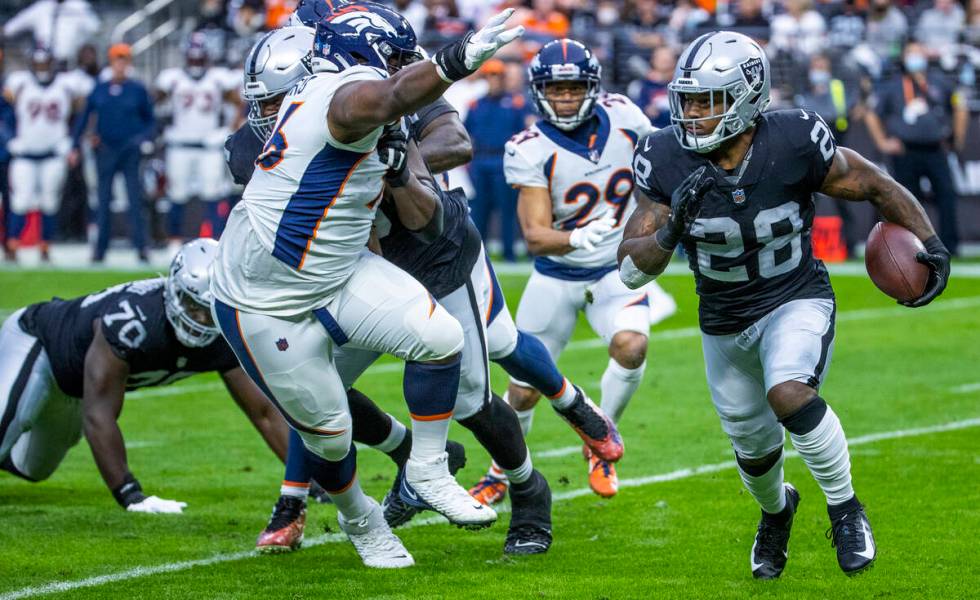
column 66, row 365
column 734, row 185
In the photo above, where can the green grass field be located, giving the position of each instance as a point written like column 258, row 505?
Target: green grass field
column 905, row 383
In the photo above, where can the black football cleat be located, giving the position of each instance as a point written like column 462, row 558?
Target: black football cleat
column 850, row 533
column 530, row 524
column 594, row 427
column 397, row 512
column 769, row 551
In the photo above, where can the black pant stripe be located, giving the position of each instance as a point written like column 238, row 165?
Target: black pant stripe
column 825, row 341
column 480, row 328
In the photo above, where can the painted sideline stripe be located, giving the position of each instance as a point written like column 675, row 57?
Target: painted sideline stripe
column 65, row 586
column 680, row 333
column 854, row 268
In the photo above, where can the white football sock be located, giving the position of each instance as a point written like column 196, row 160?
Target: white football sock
column 394, row 438
column 429, row 439
column 352, row 502
column 618, row 386
column 521, row 473
column 525, row 417
column 824, row 450
column 295, row 489
column 767, row 489
column 566, row 397
column 496, row 472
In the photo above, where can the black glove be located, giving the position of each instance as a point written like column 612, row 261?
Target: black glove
column 393, row 150
column 936, row 257
column 685, row 206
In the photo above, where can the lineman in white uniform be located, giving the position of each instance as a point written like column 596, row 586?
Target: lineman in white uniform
column 293, row 279
column 43, row 101
column 573, row 170
column 195, row 167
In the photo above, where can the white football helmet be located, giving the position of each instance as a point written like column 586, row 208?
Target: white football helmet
column 275, row 64
column 730, row 68
column 187, row 293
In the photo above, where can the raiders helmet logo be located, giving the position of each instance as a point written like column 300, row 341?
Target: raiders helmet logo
column 753, row 72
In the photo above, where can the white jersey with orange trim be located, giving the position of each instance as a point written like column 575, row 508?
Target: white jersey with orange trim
column 585, row 182
column 42, row 113
column 307, row 212
column 198, row 104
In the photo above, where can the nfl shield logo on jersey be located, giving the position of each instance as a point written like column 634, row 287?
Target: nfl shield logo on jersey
column 594, row 155
column 282, row 344
column 738, row 196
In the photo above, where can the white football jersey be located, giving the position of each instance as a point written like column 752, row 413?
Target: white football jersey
column 42, row 112
column 585, row 182
column 307, row 213
column 198, row 104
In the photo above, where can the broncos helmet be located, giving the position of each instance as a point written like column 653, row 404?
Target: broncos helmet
column 404, row 44
column 187, row 293
column 732, row 70
column 354, row 35
column 310, row 12
column 565, row 60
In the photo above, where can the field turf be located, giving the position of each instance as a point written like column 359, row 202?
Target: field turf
column 905, row 383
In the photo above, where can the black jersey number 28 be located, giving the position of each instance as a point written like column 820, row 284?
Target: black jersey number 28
column 777, row 229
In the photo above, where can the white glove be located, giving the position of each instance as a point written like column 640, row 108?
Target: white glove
column 152, row 504
column 491, row 38
column 587, row 237
column 464, row 56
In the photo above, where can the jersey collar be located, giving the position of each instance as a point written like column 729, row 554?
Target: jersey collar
column 591, row 152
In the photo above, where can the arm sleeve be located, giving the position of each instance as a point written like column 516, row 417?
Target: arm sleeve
column 21, row 22
column 521, row 172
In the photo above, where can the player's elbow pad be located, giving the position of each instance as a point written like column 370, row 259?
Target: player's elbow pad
column 632, row 276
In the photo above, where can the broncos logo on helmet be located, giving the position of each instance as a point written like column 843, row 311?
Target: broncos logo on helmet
column 351, row 36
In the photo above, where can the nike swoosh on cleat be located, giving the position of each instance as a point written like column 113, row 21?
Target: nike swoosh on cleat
column 526, row 544
column 869, row 544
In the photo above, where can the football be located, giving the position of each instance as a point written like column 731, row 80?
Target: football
column 890, row 260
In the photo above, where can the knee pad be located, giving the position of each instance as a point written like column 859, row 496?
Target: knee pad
column 440, row 335
column 754, row 440
column 332, row 448
column 501, row 336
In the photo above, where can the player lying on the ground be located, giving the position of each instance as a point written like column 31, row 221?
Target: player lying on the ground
column 293, row 280
column 735, row 186
column 454, row 255
column 573, row 170
column 65, row 367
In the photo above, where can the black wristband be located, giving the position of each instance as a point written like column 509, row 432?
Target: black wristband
column 129, row 492
column 451, row 59
column 935, row 246
column 666, row 238
column 397, row 180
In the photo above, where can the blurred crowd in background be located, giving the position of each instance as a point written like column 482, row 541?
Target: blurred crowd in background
column 904, row 71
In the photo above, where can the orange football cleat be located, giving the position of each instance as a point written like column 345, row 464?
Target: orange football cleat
column 285, row 530
column 602, row 475
column 489, row 490
column 595, row 428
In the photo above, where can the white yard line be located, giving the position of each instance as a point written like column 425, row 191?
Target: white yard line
column 135, row 573
column 967, row 388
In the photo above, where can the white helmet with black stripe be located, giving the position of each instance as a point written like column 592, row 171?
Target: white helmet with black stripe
column 275, row 64
column 722, row 67
column 187, row 293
